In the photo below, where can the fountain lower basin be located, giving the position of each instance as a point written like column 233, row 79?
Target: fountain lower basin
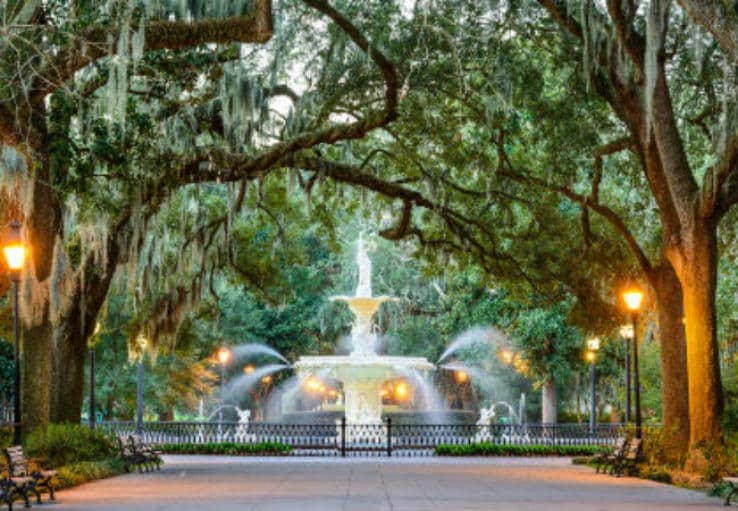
column 363, row 377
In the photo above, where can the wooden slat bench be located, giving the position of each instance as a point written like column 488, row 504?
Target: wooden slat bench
column 25, row 480
column 135, row 453
column 630, row 459
column 150, row 457
column 608, row 459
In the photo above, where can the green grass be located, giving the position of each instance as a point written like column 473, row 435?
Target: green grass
column 228, row 448
column 489, row 449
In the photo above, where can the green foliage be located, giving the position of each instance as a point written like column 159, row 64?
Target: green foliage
column 228, row 448
column 489, row 449
column 65, row 444
column 658, row 473
column 85, row 471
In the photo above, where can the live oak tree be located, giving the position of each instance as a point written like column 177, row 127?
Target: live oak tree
column 640, row 60
column 108, row 111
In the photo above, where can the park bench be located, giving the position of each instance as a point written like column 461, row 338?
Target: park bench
column 23, row 479
column 607, row 459
column 630, row 459
column 732, row 483
column 151, row 457
column 135, row 453
column 7, row 492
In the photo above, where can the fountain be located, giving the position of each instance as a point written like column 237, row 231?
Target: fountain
column 363, row 372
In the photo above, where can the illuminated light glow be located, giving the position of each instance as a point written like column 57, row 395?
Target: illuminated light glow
column 332, row 393
column 507, row 356
column 461, row 376
column 224, row 355
column 248, row 369
column 402, row 390
column 266, row 380
column 313, row 384
column 633, row 299
column 15, row 255
column 626, row 331
column 590, row 356
column 593, row 344
column 14, row 249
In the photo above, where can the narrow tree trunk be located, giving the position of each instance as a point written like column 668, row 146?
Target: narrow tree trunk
column 548, row 415
column 674, row 385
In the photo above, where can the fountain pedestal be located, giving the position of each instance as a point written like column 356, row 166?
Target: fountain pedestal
column 363, row 401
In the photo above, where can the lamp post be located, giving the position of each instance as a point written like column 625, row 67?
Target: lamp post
column 142, row 342
column 91, row 352
column 633, row 300
column 626, row 332
column 224, row 355
column 15, row 256
column 593, row 345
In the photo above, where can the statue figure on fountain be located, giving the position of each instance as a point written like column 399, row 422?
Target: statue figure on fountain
column 364, row 288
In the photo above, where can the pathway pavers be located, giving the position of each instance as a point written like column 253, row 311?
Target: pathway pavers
column 189, row 483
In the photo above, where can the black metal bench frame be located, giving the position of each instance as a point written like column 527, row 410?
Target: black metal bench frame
column 23, row 480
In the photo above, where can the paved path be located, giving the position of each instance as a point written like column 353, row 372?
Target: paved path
column 197, row 483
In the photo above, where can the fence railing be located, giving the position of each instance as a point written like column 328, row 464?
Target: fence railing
column 384, row 438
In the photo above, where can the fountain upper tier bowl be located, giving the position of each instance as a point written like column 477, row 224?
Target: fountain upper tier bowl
column 362, row 366
column 363, row 306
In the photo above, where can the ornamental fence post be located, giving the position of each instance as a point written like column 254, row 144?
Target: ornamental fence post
column 343, row 436
column 389, row 436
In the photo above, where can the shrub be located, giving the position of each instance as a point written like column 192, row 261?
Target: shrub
column 84, row 471
column 655, row 473
column 489, row 449
column 227, row 448
column 64, row 444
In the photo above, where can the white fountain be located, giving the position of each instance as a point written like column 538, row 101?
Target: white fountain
column 363, row 372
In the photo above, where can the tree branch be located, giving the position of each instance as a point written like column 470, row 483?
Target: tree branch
column 716, row 17
column 160, row 35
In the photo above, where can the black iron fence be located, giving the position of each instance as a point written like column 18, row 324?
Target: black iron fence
column 341, row 439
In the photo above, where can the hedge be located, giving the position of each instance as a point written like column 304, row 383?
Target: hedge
column 489, row 449
column 227, row 448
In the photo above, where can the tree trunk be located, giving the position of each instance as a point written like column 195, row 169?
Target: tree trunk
column 548, row 415
column 69, row 372
column 696, row 265
column 43, row 222
column 674, row 385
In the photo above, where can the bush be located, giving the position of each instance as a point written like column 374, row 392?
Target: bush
column 489, row 449
column 65, row 444
column 84, row 471
column 227, row 448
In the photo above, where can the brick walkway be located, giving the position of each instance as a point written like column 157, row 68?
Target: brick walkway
column 196, row 483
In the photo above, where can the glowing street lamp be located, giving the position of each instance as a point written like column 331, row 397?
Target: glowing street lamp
column 224, row 355
column 507, row 356
column 593, row 344
column 15, row 256
column 248, row 368
column 633, row 298
column 91, row 353
column 142, row 342
column 626, row 332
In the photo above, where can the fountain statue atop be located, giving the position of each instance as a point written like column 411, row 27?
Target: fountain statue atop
column 363, row 305
column 363, row 372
